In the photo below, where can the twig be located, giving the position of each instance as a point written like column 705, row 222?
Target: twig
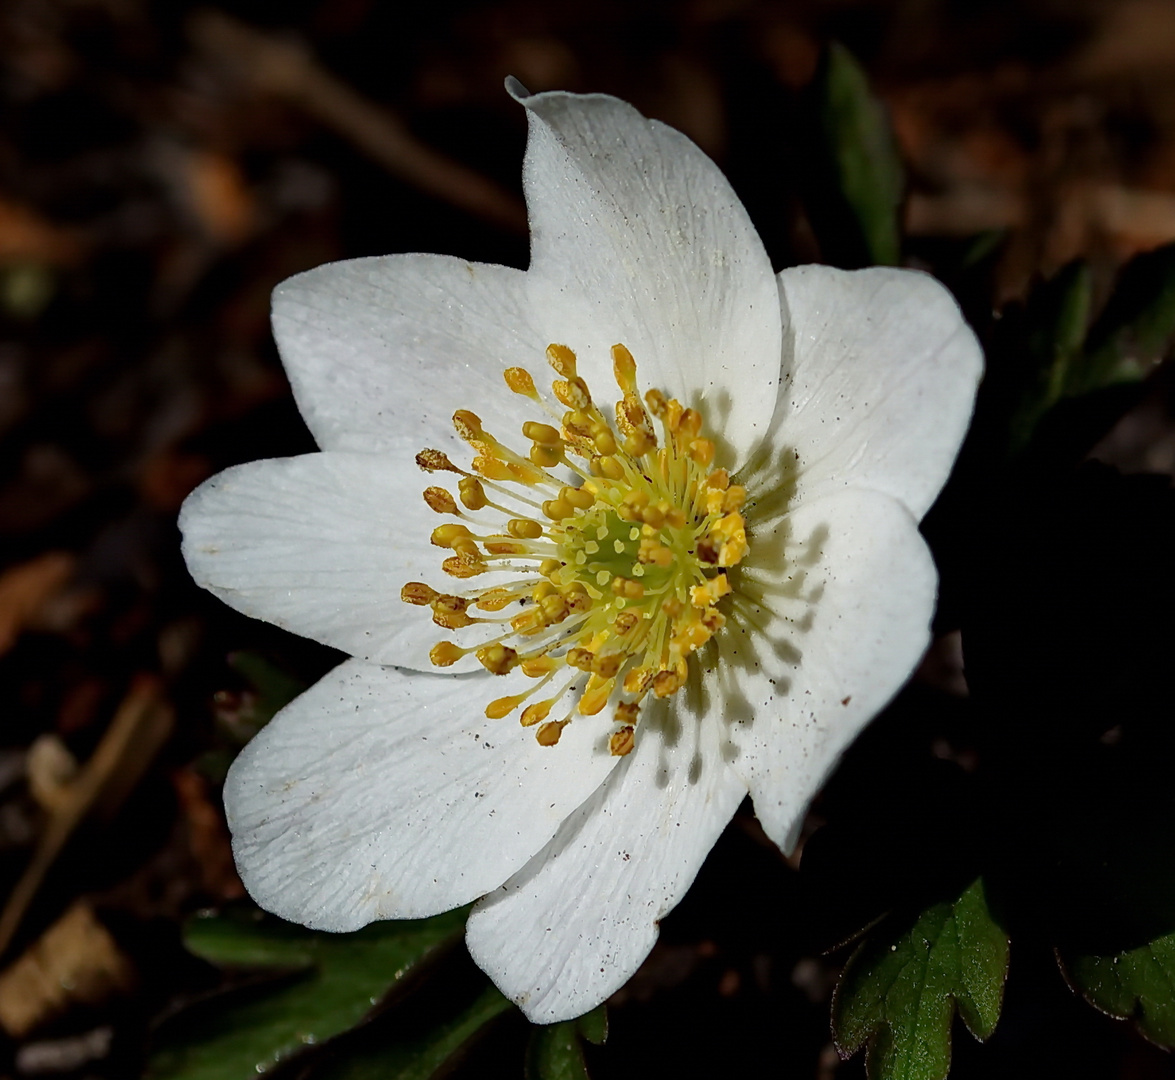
column 286, row 69
column 138, row 730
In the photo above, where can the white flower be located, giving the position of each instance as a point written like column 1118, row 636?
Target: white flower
column 708, row 599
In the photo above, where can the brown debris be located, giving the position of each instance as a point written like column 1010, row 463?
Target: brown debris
column 76, row 961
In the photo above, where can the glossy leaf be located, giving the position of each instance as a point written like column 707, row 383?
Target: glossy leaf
column 334, row 981
column 556, row 1052
column 422, row 1054
column 901, row 988
column 1138, row 322
column 1138, row 983
column 864, row 155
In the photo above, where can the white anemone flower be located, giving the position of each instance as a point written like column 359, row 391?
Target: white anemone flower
column 627, row 618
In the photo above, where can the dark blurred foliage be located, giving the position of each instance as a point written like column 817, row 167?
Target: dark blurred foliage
column 161, row 171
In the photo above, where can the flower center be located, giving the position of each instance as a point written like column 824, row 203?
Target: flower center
column 620, row 575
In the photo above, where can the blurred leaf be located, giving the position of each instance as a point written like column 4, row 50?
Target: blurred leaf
column 342, row 976
column 556, row 1051
column 900, row 989
column 1137, row 984
column 1138, row 321
column 1054, row 326
column 274, row 688
column 425, row 1052
column 864, row 155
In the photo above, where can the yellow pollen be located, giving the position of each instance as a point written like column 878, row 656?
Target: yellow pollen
column 614, row 580
column 440, row 500
column 519, row 380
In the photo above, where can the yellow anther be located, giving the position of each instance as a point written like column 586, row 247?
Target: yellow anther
column 578, row 424
column 666, row 683
column 549, row 567
column 579, row 497
column 719, row 480
column 580, row 658
column 627, row 712
column 672, row 607
column 675, row 518
column 626, row 622
column 656, row 403
column 734, row 498
column 638, row 681
column 557, row 509
column 457, row 567
column 711, row 592
column 503, row 706
column 449, row 611
column 624, row 368
column 440, row 500
column 549, row 733
column 497, row 659
column 535, row 667
column 578, row 600
column 701, row 451
column 499, row 548
column 435, row 461
column 655, row 515
column 528, row 622
column 495, row 599
column 446, row 536
column 603, row 440
column 634, row 502
column 542, row 433
column 639, row 443
column 653, row 552
column 536, row 713
column 621, row 742
column 573, row 393
column 468, row 425
column 445, row 654
column 473, row 494
column 467, row 549
column 626, row 587
column 555, row 609
column 596, row 696
column 416, row 592
column 562, row 359
column 492, row 468
column 545, row 457
column 519, row 380
column 607, row 467
column 608, row 665
column 524, row 528
column 692, row 638
column 689, row 425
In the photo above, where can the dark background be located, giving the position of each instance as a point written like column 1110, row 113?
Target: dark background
column 164, row 165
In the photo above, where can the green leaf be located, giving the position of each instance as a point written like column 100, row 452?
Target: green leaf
column 900, row 989
column 1055, row 323
column 422, row 1054
column 1138, row 983
column 274, row 688
column 338, row 979
column 556, row 1052
column 1138, row 322
column 864, row 155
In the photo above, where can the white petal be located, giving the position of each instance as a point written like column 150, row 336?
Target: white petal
column 382, row 794
column 881, row 381
column 576, row 922
column 321, row 545
column 637, row 237
column 834, row 616
column 383, row 350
